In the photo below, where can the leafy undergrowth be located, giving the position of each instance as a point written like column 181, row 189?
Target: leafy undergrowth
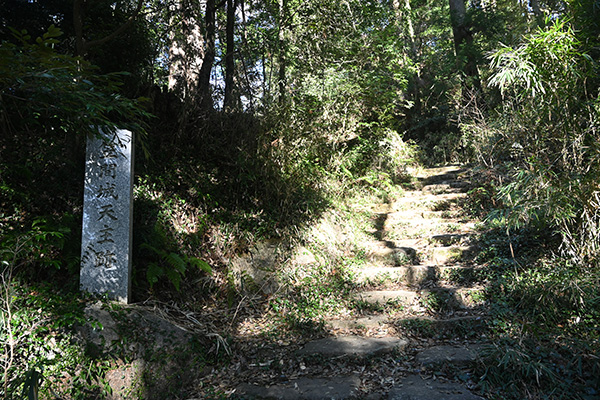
column 544, row 310
column 41, row 350
column 545, row 320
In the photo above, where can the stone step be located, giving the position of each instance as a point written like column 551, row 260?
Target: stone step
column 383, row 297
column 451, row 254
column 404, row 219
column 352, row 346
column 388, row 251
column 460, row 356
column 412, row 195
column 306, row 388
column 452, row 298
column 416, row 274
column 449, row 239
column 471, row 326
column 446, row 187
column 411, row 243
column 412, row 200
column 434, row 173
column 453, row 182
column 414, row 387
column 424, row 214
column 419, row 228
column 369, row 322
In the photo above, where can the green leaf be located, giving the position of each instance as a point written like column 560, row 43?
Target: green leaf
column 175, row 261
column 175, row 278
column 154, row 272
column 203, row 265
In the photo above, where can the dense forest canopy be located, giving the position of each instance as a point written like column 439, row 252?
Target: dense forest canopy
column 254, row 117
column 320, row 79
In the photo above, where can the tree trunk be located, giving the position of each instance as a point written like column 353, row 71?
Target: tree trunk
column 230, row 101
column 463, row 47
column 282, row 79
column 186, row 51
column 404, row 12
column 205, row 100
column 81, row 45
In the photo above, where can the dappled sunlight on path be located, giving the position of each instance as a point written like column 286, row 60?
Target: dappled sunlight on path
column 415, row 312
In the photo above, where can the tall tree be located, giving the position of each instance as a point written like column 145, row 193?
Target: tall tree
column 204, row 89
column 282, row 59
column 186, row 47
column 463, row 46
column 230, row 100
column 403, row 11
column 79, row 13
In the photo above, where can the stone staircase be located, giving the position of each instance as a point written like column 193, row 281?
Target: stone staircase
column 415, row 335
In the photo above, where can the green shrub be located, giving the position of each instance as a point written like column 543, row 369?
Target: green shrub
column 550, row 123
column 50, row 102
column 545, row 316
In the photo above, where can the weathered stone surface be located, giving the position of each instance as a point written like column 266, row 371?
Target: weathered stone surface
column 417, row 274
column 387, row 251
column 408, row 214
column 126, row 381
column 443, row 188
column 404, row 253
column 414, row 274
column 370, row 322
column 384, row 296
column 439, row 174
column 412, row 201
column 458, row 297
column 149, row 342
column 338, row 388
column 439, row 355
column 102, row 328
column 107, row 216
column 303, row 256
column 412, row 223
column 416, row 388
column 255, row 269
column 449, row 238
column 352, row 346
column 152, row 332
column 456, row 326
column 451, row 254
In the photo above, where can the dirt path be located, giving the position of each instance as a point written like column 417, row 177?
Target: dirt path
column 420, row 317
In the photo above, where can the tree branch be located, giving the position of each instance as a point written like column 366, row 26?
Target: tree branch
column 82, row 46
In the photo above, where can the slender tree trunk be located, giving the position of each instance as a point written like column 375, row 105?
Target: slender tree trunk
column 244, row 45
column 463, row 47
column 82, row 46
column 205, row 100
column 282, row 79
column 78, row 18
column 230, row 101
column 403, row 11
column 187, row 49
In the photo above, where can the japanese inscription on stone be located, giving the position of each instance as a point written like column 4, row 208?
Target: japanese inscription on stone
column 107, row 215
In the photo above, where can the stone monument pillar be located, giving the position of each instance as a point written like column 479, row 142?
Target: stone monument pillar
column 107, row 215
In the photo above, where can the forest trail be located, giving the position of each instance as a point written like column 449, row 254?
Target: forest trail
column 420, row 305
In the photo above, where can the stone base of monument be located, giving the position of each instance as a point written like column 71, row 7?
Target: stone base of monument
column 142, row 345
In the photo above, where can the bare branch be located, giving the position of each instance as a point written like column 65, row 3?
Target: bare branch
column 82, row 45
